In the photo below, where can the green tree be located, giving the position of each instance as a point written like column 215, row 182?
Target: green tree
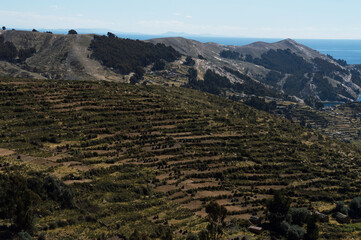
column 295, row 232
column 158, row 65
column 72, row 32
column 312, row 228
column 189, row 61
column 355, row 207
column 136, row 235
column 298, row 215
column 17, row 202
column 277, row 208
column 216, row 216
column 111, row 35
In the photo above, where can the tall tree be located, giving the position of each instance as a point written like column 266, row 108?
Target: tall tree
column 312, row 228
column 278, row 208
column 216, row 216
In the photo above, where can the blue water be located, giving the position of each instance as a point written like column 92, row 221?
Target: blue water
column 349, row 50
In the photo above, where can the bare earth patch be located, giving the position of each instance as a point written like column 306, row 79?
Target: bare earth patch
column 203, row 194
column 193, row 205
column 69, row 182
column 6, row 152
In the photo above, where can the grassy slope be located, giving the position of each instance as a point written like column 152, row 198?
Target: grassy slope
column 144, row 157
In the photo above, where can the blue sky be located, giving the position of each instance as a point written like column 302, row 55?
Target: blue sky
column 320, row 19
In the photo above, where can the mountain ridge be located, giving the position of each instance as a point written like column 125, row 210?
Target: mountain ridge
column 286, row 66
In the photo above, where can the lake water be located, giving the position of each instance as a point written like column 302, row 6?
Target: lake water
column 349, row 50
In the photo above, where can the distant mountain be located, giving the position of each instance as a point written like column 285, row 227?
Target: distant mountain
column 284, row 67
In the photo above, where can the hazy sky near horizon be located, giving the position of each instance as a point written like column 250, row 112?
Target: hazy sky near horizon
column 320, row 19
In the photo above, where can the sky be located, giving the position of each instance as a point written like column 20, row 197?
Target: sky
column 300, row 19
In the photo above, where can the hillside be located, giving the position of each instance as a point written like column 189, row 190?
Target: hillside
column 287, row 66
column 57, row 57
column 151, row 158
column 284, row 67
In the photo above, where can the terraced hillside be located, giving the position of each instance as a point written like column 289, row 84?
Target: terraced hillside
column 150, row 158
column 340, row 122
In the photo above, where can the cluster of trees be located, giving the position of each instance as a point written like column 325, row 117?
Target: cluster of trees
column 314, row 102
column 213, row 83
column 216, row 84
column 284, row 61
column 326, row 67
column 295, row 84
column 251, row 87
column 342, row 62
column 288, row 221
column 9, row 52
column 260, row 104
column 353, row 210
column 327, row 91
column 158, row 65
column 273, row 77
column 19, row 197
column 189, row 61
column 126, row 56
column 235, row 56
column 230, row 54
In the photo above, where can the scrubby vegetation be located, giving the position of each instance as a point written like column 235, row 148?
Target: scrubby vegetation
column 284, row 61
column 125, row 56
column 9, row 52
column 216, row 84
column 106, row 159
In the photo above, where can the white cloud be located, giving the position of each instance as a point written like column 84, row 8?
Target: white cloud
column 188, row 16
column 177, row 14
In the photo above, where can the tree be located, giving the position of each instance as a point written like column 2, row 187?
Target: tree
column 340, row 207
column 189, row 61
column 216, row 216
column 34, row 30
column 4, row 28
column 298, row 215
column 138, row 236
column 355, row 208
column 17, row 202
column 295, row 232
column 192, row 236
column 111, row 35
column 158, row 65
column 26, row 53
column 277, row 210
column 312, row 228
column 8, row 51
column 72, row 32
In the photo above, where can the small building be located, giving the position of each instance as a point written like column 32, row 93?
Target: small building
column 342, row 218
column 255, row 220
column 255, row 229
column 322, row 217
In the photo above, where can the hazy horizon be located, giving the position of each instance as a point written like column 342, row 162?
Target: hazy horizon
column 281, row 19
